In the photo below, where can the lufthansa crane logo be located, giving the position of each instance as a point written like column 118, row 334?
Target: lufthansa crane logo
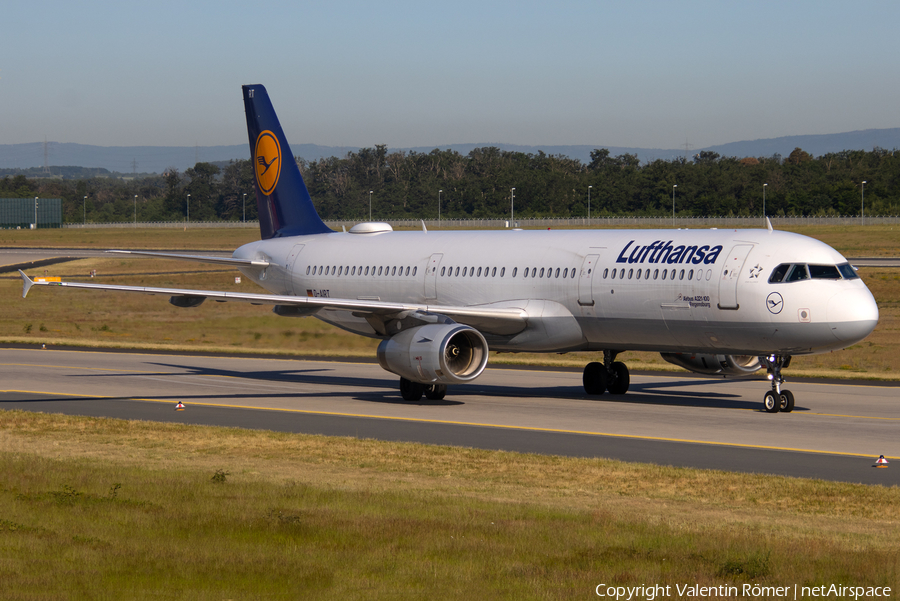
column 774, row 303
column 267, row 161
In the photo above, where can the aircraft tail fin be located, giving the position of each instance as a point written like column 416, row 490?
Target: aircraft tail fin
column 285, row 207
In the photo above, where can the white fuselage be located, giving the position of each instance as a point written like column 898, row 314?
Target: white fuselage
column 656, row 290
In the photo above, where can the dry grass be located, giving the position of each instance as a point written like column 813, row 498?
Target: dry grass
column 90, row 506
column 852, row 241
column 137, row 321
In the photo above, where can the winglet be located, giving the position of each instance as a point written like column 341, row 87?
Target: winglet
column 768, row 224
column 27, row 283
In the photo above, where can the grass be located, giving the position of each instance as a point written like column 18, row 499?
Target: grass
column 101, row 508
column 119, row 320
column 851, row 241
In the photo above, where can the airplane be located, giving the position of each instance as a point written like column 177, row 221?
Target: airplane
column 718, row 301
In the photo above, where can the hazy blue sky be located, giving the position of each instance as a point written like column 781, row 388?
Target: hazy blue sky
column 641, row 74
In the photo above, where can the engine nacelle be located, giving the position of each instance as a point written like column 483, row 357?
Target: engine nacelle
column 726, row 365
column 435, row 353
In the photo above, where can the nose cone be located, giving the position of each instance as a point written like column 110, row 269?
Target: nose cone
column 852, row 314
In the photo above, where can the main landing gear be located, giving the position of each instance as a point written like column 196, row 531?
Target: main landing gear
column 413, row 391
column 610, row 375
column 777, row 399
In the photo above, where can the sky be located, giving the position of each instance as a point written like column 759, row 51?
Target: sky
column 648, row 74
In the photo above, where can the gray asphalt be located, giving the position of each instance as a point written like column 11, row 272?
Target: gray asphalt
column 835, row 433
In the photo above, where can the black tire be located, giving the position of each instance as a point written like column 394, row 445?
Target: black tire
column 411, row 391
column 594, row 378
column 787, row 401
column 619, row 379
column 772, row 402
column 435, row 392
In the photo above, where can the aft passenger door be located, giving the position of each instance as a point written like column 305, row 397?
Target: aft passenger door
column 731, row 271
column 291, row 269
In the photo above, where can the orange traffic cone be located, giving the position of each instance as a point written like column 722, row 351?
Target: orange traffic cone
column 179, row 406
column 882, row 462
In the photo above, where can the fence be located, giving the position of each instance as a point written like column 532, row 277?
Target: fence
column 594, row 222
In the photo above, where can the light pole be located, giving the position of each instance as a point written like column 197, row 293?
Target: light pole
column 589, row 204
column 764, row 203
column 135, row 210
column 84, row 211
column 244, row 207
column 673, row 204
column 370, row 205
column 862, row 204
column 512, row 206
column 35, row 212
column 440, row 192
column 188, row 209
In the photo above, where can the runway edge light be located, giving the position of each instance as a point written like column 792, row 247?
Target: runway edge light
column 180, row 407
column 881, row 462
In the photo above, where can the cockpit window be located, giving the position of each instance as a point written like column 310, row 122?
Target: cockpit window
column 798, row 272
column 847, row 271
column 824, row 272
column 779, row 273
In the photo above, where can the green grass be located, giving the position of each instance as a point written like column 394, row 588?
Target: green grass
column 100, row 508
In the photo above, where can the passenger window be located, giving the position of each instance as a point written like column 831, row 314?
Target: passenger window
column 494, row 272
column 456, row 273
column 479, row 272
column 503, row 271
column 605, row 273
column 443, row 270
column 779, row 273
column 613, row 274
column 542, row 272
column 630, row 273
column 557, row 272
column 414, row 271
column 824, row 272
column 656, row 274
column 798, row 273
column 572, row 273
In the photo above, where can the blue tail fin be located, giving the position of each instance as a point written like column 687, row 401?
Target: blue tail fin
column 285, row 208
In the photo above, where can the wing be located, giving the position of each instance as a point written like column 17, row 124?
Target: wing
column 381, row 314
column 196, row 258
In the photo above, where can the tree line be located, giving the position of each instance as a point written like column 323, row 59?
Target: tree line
column 490, row 183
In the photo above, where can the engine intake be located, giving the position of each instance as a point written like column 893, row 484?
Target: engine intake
column 435, row 353
column 729, row 365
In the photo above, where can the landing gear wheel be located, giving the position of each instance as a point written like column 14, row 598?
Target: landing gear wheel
column 435, row 392
column 619, row 379
column 594, row 378
column 787, row 401
column 772, row 402
column 411, row 391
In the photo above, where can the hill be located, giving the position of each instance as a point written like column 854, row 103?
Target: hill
column 156, row 159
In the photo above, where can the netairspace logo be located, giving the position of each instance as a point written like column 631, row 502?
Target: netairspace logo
column 750, row 591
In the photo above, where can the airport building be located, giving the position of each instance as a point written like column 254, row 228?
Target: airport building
column 28, row 213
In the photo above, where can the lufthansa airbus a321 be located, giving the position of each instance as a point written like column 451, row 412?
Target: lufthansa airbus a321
column 727, row 302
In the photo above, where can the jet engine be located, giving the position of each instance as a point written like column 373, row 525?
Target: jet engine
column 435, row 354
column 726, row 365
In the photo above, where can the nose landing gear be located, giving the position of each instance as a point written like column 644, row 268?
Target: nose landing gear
column 777, row 399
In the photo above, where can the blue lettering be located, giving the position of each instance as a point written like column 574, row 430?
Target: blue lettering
column 713, row 255
column 622, row 258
